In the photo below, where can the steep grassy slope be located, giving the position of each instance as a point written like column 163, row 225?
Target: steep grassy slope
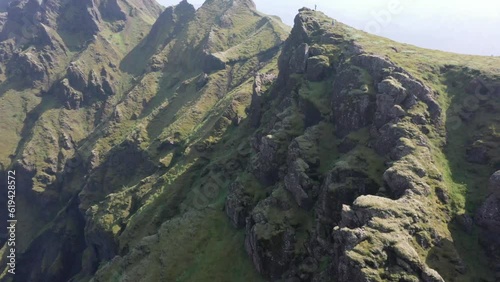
column 36, row 53
column 127, row 97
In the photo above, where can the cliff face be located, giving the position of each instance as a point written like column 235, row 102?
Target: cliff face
column 348, row 164
column 359, row 147
column 216, row 145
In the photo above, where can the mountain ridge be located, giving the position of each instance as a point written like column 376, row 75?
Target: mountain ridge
column 213, row 146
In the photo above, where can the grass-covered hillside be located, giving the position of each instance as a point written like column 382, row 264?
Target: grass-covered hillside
column 108, row 99
column 218, row 144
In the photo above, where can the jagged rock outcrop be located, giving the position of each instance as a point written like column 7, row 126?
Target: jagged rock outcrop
column 383, row 241
column 270, row 243
column 76, row 77
column 266, row 164
column 488, row 218
column 77, row 90
column 100, row 86
column 173, row 19
column 303, row 157
column 238, row 205
column 317, row 67
column 29, row 66
column 73, row 98
column 340, row 187
column 371, row 226
column 298, row 61
column 111, row 11
column 353, row 106
column 260, row 85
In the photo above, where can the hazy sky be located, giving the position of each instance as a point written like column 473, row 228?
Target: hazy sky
column 462, row 26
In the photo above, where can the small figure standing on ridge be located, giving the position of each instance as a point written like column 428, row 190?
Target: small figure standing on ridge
column 315, row 7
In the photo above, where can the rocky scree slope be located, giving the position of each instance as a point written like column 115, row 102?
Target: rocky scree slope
column 187, row 150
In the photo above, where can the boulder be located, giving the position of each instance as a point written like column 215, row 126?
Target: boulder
column 402, row 148
column 317, row 67
column 400, row 179
column 374, row 64
column 422, row 92
column 316, row 50
column 397, row 112
column 305, row 147
column 393, row 88
column 389, row 100
column 388, row 136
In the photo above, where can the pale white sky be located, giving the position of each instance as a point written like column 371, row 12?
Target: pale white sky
column 461, row 26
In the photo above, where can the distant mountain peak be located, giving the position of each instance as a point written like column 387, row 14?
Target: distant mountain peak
column 248, row 3
column 184, row 4
column 229, row 4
